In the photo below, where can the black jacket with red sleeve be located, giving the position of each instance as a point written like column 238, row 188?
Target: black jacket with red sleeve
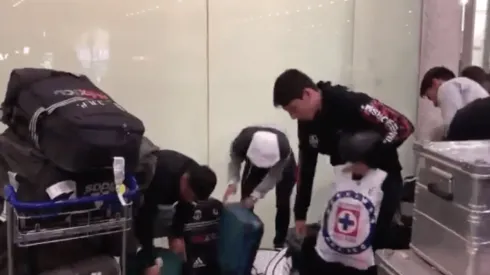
column 344, row 112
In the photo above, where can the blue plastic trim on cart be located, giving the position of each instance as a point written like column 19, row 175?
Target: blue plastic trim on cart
column 11, row 196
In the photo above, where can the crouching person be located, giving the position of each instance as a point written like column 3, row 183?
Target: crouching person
column 344, row 244
column 176, row 179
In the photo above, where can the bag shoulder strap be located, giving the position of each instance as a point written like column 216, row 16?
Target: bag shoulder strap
column 21, row 79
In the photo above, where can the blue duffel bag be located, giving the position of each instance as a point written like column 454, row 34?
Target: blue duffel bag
column 240, row 235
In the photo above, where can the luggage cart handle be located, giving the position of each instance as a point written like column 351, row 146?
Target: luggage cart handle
column 11, row 198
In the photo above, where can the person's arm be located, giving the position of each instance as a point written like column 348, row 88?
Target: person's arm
column 143, row 226
column 450, row 101
column 270, row 180
column 237, row 157
column 394, row 126
column 306, row 174
column 177, row 243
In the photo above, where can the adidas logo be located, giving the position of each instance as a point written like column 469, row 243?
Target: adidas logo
column 198, row 263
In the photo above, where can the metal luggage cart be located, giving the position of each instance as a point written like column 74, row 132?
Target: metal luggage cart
column 36, row 223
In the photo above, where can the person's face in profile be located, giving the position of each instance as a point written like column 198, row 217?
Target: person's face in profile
column 303, row 108
column 431, row 93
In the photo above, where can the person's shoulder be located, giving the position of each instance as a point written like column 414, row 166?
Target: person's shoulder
column 341, row 97
column 249, row 132
column 246, row 133
column 456, row 84
column 174, row 160
column 171, row 154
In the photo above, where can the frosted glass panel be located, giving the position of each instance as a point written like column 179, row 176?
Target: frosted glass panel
column 479, row 32
column 140, row 52
column 386, row 57
column 251, row 43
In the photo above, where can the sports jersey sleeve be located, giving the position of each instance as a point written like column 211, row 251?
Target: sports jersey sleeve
column 394, row 126
column 238, row 151
column 307, row 165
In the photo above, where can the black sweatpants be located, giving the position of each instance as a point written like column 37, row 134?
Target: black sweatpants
column 392, row 193
column 252, row 176
column 392, row 188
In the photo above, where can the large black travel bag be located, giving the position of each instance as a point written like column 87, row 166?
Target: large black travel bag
column 72, row 122
column 200, row 222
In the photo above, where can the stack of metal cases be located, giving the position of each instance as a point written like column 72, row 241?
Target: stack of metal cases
column 451, row 227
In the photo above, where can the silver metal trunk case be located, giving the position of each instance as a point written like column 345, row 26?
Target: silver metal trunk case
column 451, row 227
column 402, row 262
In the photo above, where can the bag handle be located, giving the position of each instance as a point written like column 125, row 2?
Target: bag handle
column 21, row 79
column 49, row 110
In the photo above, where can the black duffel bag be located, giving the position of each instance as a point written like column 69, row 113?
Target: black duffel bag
column 72, row 122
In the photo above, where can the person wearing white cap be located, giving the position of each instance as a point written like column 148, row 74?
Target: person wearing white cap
column 269, row 161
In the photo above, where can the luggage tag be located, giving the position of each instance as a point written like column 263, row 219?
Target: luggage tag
column 62, row 190
column 12, row 181
column 118, row 166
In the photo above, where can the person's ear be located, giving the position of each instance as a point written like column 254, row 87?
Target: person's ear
column 304, row 94
column 307, row 93
column 183, row 179
column 435, row 82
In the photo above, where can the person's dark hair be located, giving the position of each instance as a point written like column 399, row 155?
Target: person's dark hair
column 290, row 85
column 475, row 73
column 202, row 180
column 440, row 72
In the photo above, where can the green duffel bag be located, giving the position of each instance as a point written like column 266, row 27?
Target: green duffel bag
column 171, row 263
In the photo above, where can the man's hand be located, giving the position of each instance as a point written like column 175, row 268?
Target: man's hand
column 231, row 190
column 177, row 245
column 153, row 270
column 300, row 228
column 248, row 202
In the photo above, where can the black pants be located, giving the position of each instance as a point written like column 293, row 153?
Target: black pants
column 252, row 176
column 392, row 188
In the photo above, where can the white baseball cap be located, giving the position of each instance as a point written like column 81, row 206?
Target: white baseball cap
column 263, row 150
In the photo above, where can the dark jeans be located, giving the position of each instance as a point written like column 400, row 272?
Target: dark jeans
column 252, row 176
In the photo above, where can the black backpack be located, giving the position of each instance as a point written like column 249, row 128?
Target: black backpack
column 201, row 233
column 71, row 121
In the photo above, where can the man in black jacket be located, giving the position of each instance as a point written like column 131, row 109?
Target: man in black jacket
column 176, row 178
column 471, row 122
column 269, row 162
column 324, row 112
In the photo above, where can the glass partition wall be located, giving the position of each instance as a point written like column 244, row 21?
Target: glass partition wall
column 197, row 71
column 476, row 34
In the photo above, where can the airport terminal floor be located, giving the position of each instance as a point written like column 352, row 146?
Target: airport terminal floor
column 176, row 122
